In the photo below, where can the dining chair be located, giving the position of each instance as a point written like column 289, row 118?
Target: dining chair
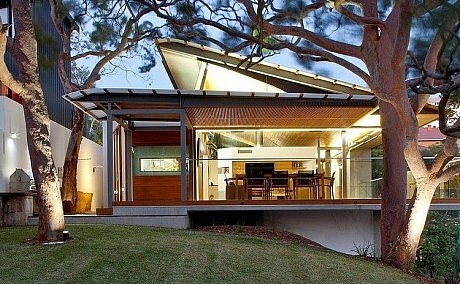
column 306, row 179
column 329, row 183
column 256, row 186
column 280, row 180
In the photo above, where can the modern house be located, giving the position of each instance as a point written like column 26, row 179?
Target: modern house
column 253, row 142
column 13, row 145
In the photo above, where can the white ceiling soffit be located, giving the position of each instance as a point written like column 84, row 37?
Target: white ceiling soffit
column 188, row 73
column 185, row 61
column 156, row 124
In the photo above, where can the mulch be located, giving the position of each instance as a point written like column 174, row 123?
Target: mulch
column 259, row 232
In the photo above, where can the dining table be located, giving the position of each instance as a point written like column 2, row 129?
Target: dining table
column 262, row 186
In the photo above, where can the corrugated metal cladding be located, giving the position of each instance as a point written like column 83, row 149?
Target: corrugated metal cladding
column 49, row 45
column 4, row 4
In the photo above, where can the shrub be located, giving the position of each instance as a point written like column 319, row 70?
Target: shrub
column 437, row 252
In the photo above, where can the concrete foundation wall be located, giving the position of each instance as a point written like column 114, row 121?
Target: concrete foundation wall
column 340, row 230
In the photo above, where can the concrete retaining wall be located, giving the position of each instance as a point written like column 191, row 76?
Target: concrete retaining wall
column 340, row 230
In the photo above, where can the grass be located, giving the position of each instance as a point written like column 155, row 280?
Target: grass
column 129, row 254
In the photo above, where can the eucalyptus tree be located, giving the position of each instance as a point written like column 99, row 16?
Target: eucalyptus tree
column 376, row 34
column 26, row 83
column 111, row 33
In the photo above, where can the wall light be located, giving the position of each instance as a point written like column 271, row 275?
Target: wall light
column 95, row 167
column 14, row 135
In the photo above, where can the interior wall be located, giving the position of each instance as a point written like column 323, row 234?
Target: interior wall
column 282, row 156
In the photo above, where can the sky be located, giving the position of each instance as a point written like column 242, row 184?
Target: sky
column 158, row 78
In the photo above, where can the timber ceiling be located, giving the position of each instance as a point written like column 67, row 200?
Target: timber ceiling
column 277, row 138
column 277, row 117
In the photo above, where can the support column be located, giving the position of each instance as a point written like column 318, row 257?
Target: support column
column 109, row 168
column 193, row 165
column 129, row 162
column 259, row 138
column 318, row 157
column 183, row 156
column 344, row 163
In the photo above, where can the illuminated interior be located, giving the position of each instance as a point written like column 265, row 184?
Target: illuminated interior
column 242, row 117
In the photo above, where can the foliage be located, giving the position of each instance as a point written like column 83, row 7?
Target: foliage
column 93, row 130
column 438, row 246
column 376, row 154
column 111, row 36
column 109, row 33
column 431, row 150
column 79, row 74
column 364, row 250
column 438, row 22
column 131, row 254
column 46, row 60
column 186, row 10
column 368, row 39
column 430, row 23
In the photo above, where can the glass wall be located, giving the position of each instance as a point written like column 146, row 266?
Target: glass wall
column 234, row 164
column 341, row 169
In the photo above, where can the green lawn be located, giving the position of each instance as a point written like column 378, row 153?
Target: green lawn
column 128, row 254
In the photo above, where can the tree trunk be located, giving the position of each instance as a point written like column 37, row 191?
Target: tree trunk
column 409, row 239
column 394, row 181
column 51, row 218
column 69, row 178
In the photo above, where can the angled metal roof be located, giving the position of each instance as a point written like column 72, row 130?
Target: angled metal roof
column 217, row 109
column 321, row 103
column 186, row 64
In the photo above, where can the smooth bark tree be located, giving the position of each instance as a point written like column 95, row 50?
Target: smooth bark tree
column 316, row 31
column 117, row 29
column 26, row 83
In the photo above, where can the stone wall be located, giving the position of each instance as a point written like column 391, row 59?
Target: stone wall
column 15, row 208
